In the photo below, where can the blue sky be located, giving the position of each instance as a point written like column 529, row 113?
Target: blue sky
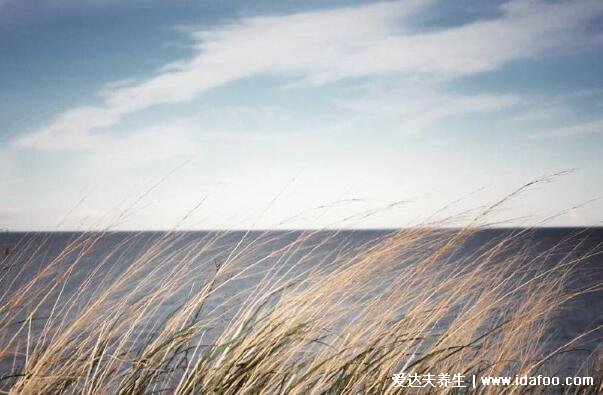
column 297, row 113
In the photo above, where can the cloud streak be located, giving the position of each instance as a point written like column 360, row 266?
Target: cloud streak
column 325, row 46
column 578, row 129
column 417, row 109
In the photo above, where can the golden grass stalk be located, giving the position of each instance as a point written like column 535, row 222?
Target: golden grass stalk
column 307, row 312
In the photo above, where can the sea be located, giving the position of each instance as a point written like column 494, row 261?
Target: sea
column 101, row 257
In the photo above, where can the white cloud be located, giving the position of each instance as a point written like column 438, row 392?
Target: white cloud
column 324, row 46
column 415, row 110
column 7, row 211
column 557, row 107
column 580, row 128
column 147, row 145
column 72, row 130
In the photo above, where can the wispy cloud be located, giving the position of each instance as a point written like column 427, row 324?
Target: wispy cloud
column 6, row 211
column 325, row 46
column 580, row 128
column 148, row 145
column 419, row 109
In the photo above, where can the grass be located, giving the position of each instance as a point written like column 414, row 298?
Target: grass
column 285, row 313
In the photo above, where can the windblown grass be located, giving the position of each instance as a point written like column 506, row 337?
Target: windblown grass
column 291, row 312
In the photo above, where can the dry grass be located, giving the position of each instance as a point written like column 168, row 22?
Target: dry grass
column 292, row 312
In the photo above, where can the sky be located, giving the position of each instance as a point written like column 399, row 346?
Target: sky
column 212, row 114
